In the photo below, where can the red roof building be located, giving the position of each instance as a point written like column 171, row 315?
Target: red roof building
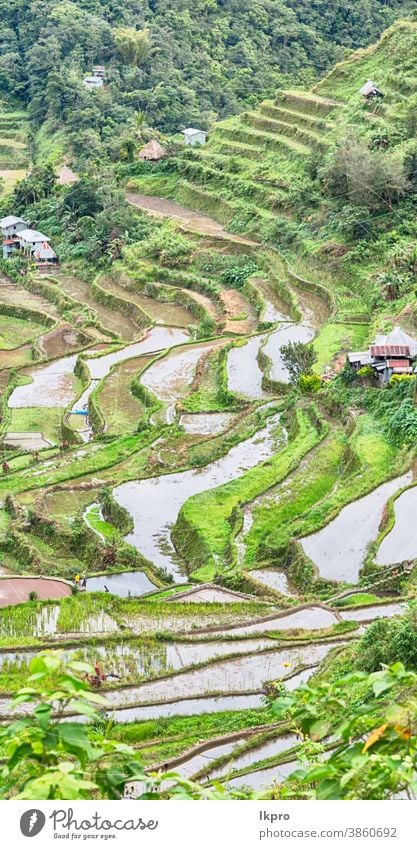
column 390, row 351
column 398, row 363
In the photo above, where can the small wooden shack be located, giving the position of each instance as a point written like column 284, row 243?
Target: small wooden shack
column 370, row 90
column 193, row 136
column 93, row 82
column 152, row 152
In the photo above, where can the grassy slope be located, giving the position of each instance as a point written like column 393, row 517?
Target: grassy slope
column 204, row 528
column 314, row 499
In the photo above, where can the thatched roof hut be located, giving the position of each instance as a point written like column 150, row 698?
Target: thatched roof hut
column 152, row 152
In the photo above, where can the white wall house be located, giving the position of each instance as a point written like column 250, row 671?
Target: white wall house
column 93, row 82
column 193, row 136
column 11, row 225
column 31, row 239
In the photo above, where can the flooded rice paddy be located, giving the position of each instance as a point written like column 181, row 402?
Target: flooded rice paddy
column 206, row 424
column 203, row 760
column 275, row 309
column 124, row 584
column 244, row 375
column 170, row 377
column 313, row 618
column 155, row 340
column 34, row 441
column 132, row 660
column 52, row 385
column 242, row 674
column 270, row 775
column 155, row 503
column 271, row 748
column 375, row 611
column 273, row 579
column 401, row 542
column 339, row 549
column 189, row 707
column 265, row 777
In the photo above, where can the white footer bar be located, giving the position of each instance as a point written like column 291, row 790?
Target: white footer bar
column 215, row 825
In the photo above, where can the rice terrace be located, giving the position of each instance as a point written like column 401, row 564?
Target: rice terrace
column 208, row 358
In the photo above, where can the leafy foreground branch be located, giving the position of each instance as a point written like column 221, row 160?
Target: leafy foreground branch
column 371, row 721
column 366, row 723
column 49, row 757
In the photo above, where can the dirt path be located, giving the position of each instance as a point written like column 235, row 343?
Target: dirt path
column 240, row 314
column 194, row 220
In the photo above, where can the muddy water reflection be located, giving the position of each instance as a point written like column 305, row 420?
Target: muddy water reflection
column 339, row 549
column 155, row 503
column 206, row 424
column 272, row 578
column 244, row 376
column 401, row 543
column 230, row 676
column 268, row 749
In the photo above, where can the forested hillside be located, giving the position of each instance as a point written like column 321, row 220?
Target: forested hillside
column 181, row 62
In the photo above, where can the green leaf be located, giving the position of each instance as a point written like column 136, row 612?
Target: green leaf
column 320, row 729
column 79, row 666
column 75, row 735
column 281, row 706
column 328, row 789
column 43, row 714
column 47, row 663
column 382, row 684
column 84, row 708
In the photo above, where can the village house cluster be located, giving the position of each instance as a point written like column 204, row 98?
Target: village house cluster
column 393, row 353
column 18, row 236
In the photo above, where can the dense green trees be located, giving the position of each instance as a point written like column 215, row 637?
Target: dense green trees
column 179, row 61
column 371, row 179
column 299, row 359
column 134, row 46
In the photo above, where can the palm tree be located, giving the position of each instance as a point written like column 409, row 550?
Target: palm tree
column 139, row 124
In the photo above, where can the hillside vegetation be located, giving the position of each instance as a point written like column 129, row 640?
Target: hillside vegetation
column 182, row 63
column 197, row 488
